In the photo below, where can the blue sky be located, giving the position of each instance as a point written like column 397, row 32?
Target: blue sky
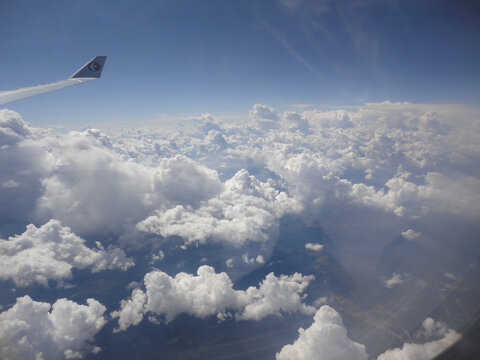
column 188, row 57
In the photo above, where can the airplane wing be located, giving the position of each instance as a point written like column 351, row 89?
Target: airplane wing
column 90, row 71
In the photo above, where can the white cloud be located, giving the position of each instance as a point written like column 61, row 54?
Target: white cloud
column 274, row 295
column 132, row 310
column 428, row 350
column 92, row 189
column 396, row 279
column 335, row 118
column 79, row 179
column 157, row 257
column 209, row 293
column 37, row 330
column 433, row 328
column 247, row 210
column 411, row 235
column 22, row 166
column 50, row 252
column 293, row 121
column 265, row 117
column 247, row 260
column 94, row 183
column 314, row 247
column 325, row 339
column 398, row 161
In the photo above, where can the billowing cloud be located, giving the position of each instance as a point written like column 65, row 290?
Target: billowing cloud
column 247, row 210
column 325, row 339
column 265, row 117
column 37, row 330
column 209, row 293
column 79, row 179
column 94, row 190
column 428, row 350
column 22, row 166
column 273, row 296
column 337, row 118
column 50, row 252
column 132, row 310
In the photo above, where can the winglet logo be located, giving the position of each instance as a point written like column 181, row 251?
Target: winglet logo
column 94, row 66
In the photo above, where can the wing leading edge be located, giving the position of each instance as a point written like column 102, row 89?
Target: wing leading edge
column 90, row 71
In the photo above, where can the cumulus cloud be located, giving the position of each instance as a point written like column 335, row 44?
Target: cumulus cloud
column 432, row 328
column 81, row 180
column 378, row 140
column 37, row 330
column 209, row 293
column 314, row 247
column 247, row 210
column 50, row 252
column 294, row 121
column 326, row 339
column 396, row 279
column 94, row 190
column 132, row 310
column 411, row 235
column 248, row 260
column 97, row 183
column 214, row 182
column 265, row 117
column 336, row 118
column 428, row 350
column 273, row 296
column 22, row 166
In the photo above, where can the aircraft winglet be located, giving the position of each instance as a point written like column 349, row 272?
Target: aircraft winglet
column 92, row 69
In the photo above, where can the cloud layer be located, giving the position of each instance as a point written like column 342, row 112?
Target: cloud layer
column 367, row 175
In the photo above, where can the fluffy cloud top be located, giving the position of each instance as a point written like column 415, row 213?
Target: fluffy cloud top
column 428, row 350
column 411, row 235
column 50, row 252
column 265, row 117
column 36, row 330
column 92, row 189
column 245, row 211
column 79, row 179
column 209, row 293
column 325, row 339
